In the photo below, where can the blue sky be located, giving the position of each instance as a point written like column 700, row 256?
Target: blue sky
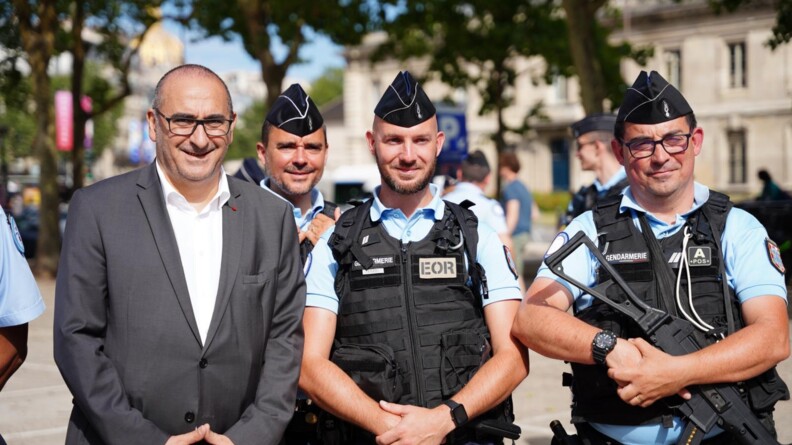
column 222, row 56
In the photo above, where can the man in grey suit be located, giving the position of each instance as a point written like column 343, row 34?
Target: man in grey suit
column 180, row 293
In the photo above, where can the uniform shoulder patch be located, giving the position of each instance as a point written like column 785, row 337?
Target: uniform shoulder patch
column 510, row 262
column 775, row 255
column 15, row 235
column 558, row 241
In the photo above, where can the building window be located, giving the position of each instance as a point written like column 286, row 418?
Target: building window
column 738, row 76
column 673, row 64
column 738, row 164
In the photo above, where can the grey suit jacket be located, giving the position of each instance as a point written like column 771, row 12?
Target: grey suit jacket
column 126, row 340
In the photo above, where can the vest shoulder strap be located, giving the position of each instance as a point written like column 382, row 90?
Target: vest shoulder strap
column 468, row 224
column 347, row 231
column 329, row 209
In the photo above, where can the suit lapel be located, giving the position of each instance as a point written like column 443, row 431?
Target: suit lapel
column 233, row 234
column 150, row 196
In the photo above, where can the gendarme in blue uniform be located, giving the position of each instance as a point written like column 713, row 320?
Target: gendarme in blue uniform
column 320, row 278
column 302, row 221
column 748, row 269
column 20, row 300
column 487, row 210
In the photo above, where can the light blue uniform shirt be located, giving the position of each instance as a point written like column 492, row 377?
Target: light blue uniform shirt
column 320, row 279
column 487, row 210
column 748, row 270
column 20, row 300
column 302, row 221
column 618, row 176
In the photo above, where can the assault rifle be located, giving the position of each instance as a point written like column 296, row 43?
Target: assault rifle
column 710, row 404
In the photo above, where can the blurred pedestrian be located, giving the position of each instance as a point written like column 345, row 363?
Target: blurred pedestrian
column 520, row 206
column 475, row 175
column 180, row 293
column 770, row 190
column 593, row 135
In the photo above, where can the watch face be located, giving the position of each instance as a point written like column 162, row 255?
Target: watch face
column 604, row 340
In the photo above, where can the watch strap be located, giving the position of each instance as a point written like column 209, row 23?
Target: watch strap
column 458, row 413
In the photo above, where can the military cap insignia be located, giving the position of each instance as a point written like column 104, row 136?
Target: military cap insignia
column 652, row 100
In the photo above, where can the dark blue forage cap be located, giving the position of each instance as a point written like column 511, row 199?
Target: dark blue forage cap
column 295, row 112
column 593, row 122
column 652, row 100
column 404, row 103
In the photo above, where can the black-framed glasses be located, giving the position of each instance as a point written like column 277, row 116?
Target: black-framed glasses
column 185, row 126
column 673, row 144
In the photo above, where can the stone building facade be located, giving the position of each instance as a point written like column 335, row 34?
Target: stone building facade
column 740, row 89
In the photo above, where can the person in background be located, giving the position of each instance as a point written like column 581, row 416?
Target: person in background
column 293, row 150
column 770, row 190
column 475, row 175
column 521, row 209
column 593, row 135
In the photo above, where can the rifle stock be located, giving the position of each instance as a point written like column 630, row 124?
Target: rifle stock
column 709, row 405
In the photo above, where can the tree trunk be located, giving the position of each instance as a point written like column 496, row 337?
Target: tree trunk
column 581, row 17
column 37, row 32
column 500, row 130
column 79, row 116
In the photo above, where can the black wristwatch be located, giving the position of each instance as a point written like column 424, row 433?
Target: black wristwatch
column 603, row 343
column 458, row 413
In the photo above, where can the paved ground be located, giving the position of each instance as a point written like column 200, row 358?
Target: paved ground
column 35, row 404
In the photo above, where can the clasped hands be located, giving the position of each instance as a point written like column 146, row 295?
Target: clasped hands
column 413, row 425
column 203, row 432
column 644, row 373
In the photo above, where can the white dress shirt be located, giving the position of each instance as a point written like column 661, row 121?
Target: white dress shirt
column 199, row 236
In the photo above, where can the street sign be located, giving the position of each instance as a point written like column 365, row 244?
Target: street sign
column 452, row 122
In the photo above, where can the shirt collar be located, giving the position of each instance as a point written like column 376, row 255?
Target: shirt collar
column 436, row 205
column 173, row 197
column 618, row 176
column 468, row 188
column 700, row 196
column 317, row 200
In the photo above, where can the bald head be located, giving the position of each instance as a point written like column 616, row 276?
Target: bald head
column 181, row 71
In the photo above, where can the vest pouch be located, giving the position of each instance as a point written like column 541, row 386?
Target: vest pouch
column 373, row 368
column 461, row 354
column 765, row 390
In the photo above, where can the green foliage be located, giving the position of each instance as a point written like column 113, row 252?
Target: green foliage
column 16, row 113
column 327, row 87
column 553, row 202
column 247, row 132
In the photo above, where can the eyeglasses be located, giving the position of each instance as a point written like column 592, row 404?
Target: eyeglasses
column 185, row 126
column 673, row 144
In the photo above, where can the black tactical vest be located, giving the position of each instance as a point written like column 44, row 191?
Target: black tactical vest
column 624, row 246
column 587, row 197
column 409, row 329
